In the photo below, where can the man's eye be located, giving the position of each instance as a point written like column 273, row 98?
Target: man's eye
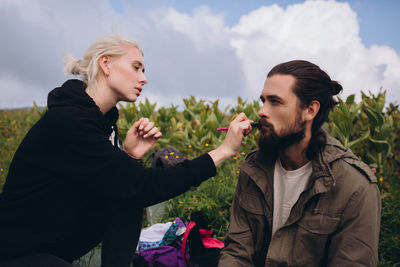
column 275, row 102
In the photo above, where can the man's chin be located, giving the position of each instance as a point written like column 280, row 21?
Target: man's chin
column 267, row 144
column 273, row 143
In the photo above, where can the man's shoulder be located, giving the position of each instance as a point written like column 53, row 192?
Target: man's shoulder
column 352, row 173
column 344, row 163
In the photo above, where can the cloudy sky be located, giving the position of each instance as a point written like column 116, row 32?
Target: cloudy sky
column 209, row 49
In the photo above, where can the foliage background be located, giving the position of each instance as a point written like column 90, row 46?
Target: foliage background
column 371, row 128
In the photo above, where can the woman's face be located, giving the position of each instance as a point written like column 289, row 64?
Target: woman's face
column 126, row 75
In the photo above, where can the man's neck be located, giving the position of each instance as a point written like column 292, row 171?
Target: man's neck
column 295, row 156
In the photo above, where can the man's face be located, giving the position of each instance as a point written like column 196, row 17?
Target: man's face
column 281, row 119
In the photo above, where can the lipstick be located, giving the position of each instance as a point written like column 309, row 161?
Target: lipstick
column 224, row 129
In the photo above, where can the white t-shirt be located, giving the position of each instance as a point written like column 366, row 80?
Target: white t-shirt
column 288, row 185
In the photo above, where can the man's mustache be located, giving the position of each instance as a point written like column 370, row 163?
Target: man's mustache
column 265, row 124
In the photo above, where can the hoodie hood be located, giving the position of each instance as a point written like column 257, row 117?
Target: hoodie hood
column 72, row 93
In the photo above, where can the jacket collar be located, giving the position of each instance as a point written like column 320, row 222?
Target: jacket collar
column 261, row 170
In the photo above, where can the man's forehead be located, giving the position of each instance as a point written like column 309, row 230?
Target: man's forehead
column 279, row 84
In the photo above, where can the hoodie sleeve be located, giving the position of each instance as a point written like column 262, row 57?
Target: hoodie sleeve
column 93, row 162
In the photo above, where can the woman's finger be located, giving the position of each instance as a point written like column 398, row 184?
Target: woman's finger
column 135, row 126
column 240, row 117
column 143, row 123
column 157, row 135
column 148, row 127
column 151, row 132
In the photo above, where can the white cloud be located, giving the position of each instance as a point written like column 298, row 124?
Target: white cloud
column 323, row 32
column 189, row 54
column 204, row 28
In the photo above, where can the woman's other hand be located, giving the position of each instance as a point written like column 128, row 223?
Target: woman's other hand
column 238, row 128
column 141, row 137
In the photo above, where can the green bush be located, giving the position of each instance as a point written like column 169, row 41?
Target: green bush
column 370, row 128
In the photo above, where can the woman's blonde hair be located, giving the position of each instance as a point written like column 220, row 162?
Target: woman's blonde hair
column 111, row 45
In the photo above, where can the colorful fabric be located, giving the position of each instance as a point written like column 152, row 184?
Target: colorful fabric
column 155, row 232
column 174, row 233
column 152, row 236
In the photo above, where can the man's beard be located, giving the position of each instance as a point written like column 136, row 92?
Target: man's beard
column 269, row 141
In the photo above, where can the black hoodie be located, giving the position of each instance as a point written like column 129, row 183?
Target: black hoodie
column 66, row 170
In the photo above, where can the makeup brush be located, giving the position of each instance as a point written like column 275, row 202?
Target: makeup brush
column 224, row 129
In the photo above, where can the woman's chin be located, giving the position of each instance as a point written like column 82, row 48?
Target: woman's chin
column 131, row 99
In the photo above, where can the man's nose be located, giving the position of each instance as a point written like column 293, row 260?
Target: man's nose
column 263, row 112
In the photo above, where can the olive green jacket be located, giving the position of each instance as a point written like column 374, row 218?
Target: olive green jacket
column 335, row 221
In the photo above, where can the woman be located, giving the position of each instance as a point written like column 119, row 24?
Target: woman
column 70, row 186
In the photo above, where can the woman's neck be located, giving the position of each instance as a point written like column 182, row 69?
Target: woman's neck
column 101, row 96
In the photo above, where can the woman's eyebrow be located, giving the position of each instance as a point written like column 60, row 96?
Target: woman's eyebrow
column 139, row 63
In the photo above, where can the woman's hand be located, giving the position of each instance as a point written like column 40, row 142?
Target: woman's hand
column 141, row 137
column 238, row 128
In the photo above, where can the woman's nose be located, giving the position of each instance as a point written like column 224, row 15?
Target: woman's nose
column 143, row 79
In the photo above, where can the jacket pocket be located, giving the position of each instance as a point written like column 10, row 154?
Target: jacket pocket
column 319, row 224
column 311, row 237
column 251, row 203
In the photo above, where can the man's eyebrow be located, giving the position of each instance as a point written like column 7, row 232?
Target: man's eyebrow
column 271, row 97
column 275, row 98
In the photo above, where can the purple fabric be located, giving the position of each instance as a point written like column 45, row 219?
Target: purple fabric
column 167, row 256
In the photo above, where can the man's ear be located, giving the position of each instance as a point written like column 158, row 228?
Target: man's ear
column 104, row 63
column 312, row 110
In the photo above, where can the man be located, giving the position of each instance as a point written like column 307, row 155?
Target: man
column 302, row 199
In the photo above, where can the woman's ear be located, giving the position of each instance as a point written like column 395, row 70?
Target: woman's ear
column 104, row 63
column 312, row 110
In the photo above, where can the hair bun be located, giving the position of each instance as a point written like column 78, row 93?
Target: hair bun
column 336, row 88
column 71, row 65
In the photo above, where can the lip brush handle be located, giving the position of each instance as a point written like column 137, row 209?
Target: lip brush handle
column 224, row 129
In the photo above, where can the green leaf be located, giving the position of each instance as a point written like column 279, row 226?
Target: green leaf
column 350, row 99
column 381, row 146
column 354, row 143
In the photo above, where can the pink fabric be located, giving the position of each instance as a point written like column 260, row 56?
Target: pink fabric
column 208, row 241
column 185, row 237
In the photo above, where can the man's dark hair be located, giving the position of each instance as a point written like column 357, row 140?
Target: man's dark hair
column 311, row 84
